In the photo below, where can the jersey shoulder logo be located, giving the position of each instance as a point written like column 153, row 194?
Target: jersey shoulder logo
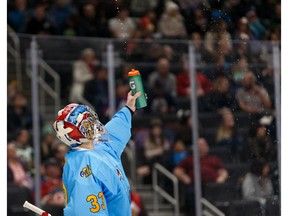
column 86, row 172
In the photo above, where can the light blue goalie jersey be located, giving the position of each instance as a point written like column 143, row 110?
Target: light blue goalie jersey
column 94, row 181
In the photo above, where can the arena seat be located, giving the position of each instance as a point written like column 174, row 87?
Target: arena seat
column 236, row 171
column 221, row 195
column 16, row 197
column 223, row 153
column 225, row 192
column 272, row 207
column 245, row 208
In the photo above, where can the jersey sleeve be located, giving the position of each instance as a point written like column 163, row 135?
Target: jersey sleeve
column 119, row 128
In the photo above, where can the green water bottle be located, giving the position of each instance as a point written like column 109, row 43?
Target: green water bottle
column 136, row 85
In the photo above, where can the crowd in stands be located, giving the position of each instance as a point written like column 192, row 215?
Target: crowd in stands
column 231, row 78
column 152, row 19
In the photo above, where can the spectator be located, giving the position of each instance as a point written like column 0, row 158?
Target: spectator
column 139, row 139
column 102, row 23
column 238, row 70
column 218, row 40
column 199, row 22
column 39, row 23
column 16, row 173
column 122, row 26
column 176, row 153
column 71, row 26
column 48, row 146
column 267, row 79
column 60, row 12
column 90, row 24
column 260, row 144
column 83, row 71
column 121, row 93
column 152, row 55
column 243, row 31
column 55, row 197
column 200, row 53
column 154, row 146
column 60, row 153
column 19, row 115
column 134, row 48
column 161, row 102
column 137, row 204
column 12, row 90
column 185, row 130
column 51, row 179
column 227, row 135
column 171, row 24
column 224, row 43
column 251, row 97
column 270, row 124
column 275, row 21
column 163, row 77
column 203, row 84
column 139, row 8
column 243, row 47
column 147, row 24
column 169, row 53
column 96, row 92
column 156, row 142
column 274, row 36
column 220, row 96
column 111, row 8
column 212, row 170
column 220, row 67
column 19, row 16
column 88, row 21
column 257, row 185
column 24, row 149
column 256, row 27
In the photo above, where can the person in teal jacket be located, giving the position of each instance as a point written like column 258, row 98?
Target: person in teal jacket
column 94, row 181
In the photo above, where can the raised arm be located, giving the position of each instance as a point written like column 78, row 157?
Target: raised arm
column 119, row 127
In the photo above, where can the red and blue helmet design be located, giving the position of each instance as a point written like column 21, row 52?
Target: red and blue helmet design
column 77, row 124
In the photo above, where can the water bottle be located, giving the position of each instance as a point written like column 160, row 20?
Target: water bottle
column 136, row 85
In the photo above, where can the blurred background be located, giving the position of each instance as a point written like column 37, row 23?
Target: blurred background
column 62, row 51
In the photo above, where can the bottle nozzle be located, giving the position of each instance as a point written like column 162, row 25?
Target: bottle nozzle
column 133, row 72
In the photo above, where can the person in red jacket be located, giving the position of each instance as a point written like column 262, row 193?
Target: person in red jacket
column 137, row 205
column 212, row 170
column 204, row 85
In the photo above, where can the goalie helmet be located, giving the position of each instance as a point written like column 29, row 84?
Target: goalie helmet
column 77, row 124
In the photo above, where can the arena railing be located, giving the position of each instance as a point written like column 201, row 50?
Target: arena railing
column 52, row 91
column 159, row 191
column 13, row 47
column 209, row 209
